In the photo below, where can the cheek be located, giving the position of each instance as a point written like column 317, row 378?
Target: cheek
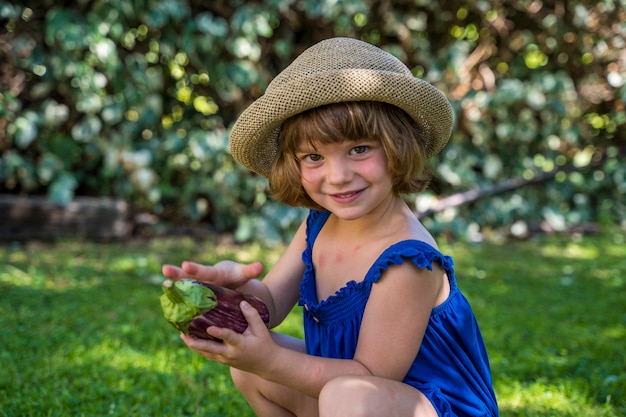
column 376, row 167
column 309, row 189
column 308, row 177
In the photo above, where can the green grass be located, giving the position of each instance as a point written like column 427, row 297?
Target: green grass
column 82, row 334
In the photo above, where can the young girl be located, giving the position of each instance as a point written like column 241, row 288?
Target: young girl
column 345, row 130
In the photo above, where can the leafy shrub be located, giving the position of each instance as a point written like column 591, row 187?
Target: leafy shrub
column 135, row 99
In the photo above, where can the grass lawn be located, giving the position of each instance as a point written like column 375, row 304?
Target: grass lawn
column 82, row 333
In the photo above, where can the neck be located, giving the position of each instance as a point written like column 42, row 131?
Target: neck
column 381, row 220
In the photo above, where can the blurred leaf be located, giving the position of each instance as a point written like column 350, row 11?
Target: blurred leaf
column 535, row 88
column 88, row 128
column 25, row 130
column 54, row 113
column 66, row 29
column 61, row 190
column 212, row 25
column 48, row 167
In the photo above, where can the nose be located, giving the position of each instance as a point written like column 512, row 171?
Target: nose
column 337, row 171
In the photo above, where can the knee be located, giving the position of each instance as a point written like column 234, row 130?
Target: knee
column 331, row 391
column 346, row 396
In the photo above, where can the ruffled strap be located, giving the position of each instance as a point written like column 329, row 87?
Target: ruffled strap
column 314, row 223
column 420, row 253
column 355, row 293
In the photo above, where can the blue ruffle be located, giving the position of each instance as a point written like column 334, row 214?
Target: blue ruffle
column 451, row 369
column 350, row 300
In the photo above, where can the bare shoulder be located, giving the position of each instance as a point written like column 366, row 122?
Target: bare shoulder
column 415, row 230
column 424, row 235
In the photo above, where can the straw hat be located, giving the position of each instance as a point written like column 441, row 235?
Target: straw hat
column 337, row 70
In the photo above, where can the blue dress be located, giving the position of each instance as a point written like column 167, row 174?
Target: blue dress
column 451, row 367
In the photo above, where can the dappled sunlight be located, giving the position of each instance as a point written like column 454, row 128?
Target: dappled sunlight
column 33, row 278
column 570, row 251
column 613, row 277
column 136, row 101
column 129, row 263
column 585, row 247
column 554, row 334
column 120, row 356
column 541, row 398
column 87, row 317
column 255, row 252
column 616, row 333
column 10, row 274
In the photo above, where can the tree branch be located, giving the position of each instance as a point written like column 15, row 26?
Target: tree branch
column 470, row 196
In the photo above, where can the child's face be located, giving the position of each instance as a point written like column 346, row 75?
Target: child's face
column 348, row 178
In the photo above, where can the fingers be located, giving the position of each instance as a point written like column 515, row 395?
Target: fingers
column 238, row 273
column 252, row 316
column 230, row 337
column 256, row 326
column 253, row 270
column 171, row 271
column 241, row 351
column 226, row 273
column 205, row 345
column 224, row 334
column 190, row 270
column 195, row 270
column 220, row 351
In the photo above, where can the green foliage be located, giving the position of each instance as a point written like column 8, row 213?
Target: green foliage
column 120, row 100
column 134, row 100
column 83, row 332
column 87, row 320
column 551, row 313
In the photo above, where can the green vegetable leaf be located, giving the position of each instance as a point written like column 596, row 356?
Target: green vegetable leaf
column 183, row 300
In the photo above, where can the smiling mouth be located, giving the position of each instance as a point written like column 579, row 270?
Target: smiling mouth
column 346, row 195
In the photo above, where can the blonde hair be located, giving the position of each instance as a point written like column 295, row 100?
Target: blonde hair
column 402, row 139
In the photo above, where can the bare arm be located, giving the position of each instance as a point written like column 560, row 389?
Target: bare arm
column 279, row 289
column 393, row 326
column 395, row 319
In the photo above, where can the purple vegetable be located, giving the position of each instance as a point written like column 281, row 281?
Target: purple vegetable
column 193, row 306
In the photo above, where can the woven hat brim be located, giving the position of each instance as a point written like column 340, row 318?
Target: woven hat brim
column 254, row 136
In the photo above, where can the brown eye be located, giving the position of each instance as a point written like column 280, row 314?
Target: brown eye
column 357, row 150
column 310, row 157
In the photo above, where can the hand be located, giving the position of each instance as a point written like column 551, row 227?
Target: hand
column 225, row 273
column 249, row 351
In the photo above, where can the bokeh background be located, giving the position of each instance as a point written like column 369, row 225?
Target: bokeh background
column 133, row 99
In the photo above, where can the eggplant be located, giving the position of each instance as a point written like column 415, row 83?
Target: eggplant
column 193, row 306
